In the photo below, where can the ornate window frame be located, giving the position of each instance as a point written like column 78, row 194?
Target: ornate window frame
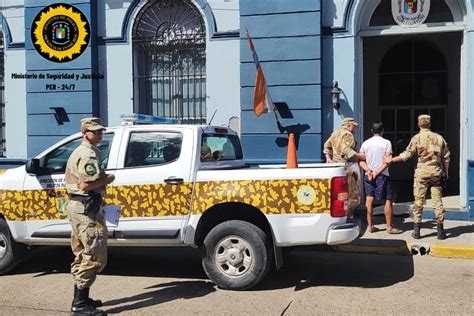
column 169, row 61
column 366, row 9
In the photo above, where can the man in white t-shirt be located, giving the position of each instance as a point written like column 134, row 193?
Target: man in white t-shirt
column 376, row 181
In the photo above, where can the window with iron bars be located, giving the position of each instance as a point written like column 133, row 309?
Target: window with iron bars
column 169, row 46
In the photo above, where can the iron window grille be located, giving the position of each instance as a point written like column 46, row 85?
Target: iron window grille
column 169, row 43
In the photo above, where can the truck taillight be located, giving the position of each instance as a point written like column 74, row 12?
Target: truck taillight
column 339, row 197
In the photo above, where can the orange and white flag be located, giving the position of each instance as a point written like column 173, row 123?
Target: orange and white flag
column 262, row 102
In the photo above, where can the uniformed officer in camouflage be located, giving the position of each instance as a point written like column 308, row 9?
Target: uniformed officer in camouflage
column 433, row 160
column 84, row 175
column 340, row 147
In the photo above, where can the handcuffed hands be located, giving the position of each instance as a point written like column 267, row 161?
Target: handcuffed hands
column 370, row 175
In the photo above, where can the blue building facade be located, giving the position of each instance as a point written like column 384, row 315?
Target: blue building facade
column 78, row 98
column 288, row 42
column 203, row 71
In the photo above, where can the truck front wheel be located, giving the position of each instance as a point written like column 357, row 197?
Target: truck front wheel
column 237, row 255
column 7, row 260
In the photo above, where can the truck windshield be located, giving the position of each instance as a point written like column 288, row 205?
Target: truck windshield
column 215, row 147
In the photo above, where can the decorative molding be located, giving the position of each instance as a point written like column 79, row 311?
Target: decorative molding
column 226, row 35
column 204, row 7
column 123, row 38
column 351, row 8
column 421, row 29
column 347, row 13
column 9, row 44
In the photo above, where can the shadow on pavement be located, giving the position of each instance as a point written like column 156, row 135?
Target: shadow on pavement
column 167, row 292
column 404, row 223
column 309, row 267
column 178, row 262
column 304, row 267
column 398, row 222
column 450, row 232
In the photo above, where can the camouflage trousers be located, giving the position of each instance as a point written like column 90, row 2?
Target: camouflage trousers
column 420, row 188
column 88, row 243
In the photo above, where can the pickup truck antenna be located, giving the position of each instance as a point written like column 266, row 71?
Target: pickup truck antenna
column 212, row 117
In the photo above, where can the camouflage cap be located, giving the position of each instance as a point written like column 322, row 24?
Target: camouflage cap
column 91, row 124
column 349, row 120
column 424, row 118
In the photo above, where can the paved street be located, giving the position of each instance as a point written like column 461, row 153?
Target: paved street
column 313, row 281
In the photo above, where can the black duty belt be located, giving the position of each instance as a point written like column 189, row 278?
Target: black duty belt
column 78, row 197
column 91, row 202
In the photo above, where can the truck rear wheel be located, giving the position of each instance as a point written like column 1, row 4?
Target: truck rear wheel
column 7, row 259
column 237, row 255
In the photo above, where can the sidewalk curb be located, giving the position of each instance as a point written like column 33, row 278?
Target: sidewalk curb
column 403, row 250
column 410, row 249
column 452, row 251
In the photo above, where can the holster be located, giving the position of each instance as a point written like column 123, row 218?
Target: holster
column 91, row 203
column 443, row 180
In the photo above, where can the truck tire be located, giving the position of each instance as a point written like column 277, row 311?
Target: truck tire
column 237, row 255
column 7, row 258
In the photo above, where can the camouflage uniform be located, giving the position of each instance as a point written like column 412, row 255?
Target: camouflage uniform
column 89, row 232
column 340, row 145
column 432, row 151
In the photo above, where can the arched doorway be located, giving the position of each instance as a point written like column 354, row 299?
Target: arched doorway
column 407, row 73
column 413, row 80
column 169, row 51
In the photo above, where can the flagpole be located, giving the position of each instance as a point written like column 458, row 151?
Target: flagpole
column 267, row 101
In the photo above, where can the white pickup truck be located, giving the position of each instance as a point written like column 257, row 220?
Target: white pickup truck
column 184, row 185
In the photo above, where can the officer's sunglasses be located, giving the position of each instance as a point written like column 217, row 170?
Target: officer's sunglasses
column 97, row 132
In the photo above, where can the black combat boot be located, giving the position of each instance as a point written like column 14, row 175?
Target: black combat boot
column 416, row 231
column 82, row 305
column 95, row 303
column 441, row 233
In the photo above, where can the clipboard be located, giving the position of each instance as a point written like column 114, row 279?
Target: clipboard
column 112, row 215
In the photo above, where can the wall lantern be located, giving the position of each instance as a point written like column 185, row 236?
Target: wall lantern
column 335, row 93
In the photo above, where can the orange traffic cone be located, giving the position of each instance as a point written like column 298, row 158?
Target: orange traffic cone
column 291, row 159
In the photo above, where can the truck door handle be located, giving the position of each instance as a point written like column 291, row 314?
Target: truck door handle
column 173, row 180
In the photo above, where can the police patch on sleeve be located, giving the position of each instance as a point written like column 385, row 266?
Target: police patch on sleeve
column 90, row 169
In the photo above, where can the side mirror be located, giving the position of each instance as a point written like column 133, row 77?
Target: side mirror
column 32, row 166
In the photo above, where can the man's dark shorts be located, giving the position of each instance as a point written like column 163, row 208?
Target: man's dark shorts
column 379, row 187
